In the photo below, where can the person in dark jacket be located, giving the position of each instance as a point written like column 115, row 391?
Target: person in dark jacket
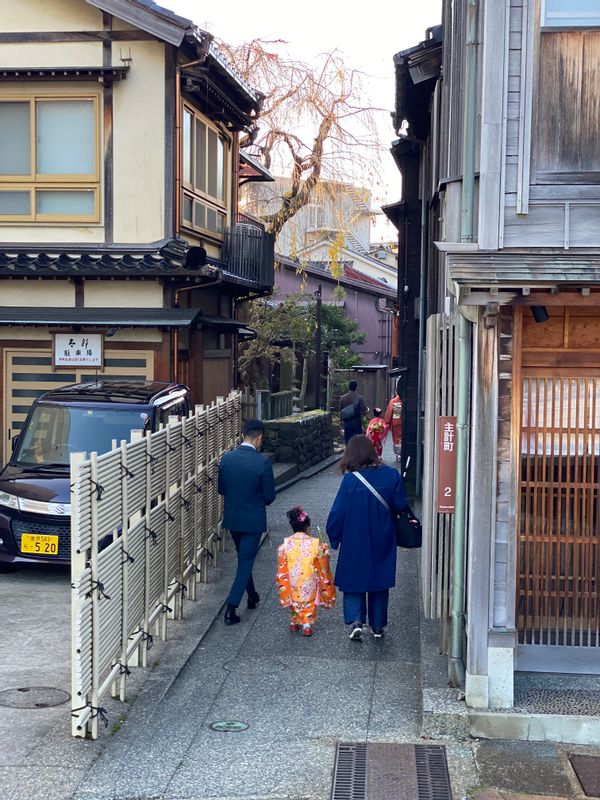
column 363, row 529
column 247, row 483
column 357, row 408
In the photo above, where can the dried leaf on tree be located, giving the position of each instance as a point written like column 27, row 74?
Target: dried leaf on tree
column 314, row 125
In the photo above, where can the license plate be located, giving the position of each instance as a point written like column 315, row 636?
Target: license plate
column 39, row 543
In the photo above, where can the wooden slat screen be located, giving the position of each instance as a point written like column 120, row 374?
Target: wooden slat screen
column 559, row 547
column 440, row 400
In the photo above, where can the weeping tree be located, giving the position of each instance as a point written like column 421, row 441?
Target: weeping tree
column 314, row 126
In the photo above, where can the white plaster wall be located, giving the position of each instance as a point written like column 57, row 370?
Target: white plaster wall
column 141, row 335
column 41, row 333
column 123, row 294
column 139, row 117
column 37, row 293
column 58, row 233
column 26, row 334
column 138, row 145
column 48, row 15
column 50, row 54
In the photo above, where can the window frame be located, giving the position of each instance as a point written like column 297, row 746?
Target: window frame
column 563, row 25
column 189, row 189
column 34, row 182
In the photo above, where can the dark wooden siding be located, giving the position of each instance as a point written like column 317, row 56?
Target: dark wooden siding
column 568, row 105
column 452, row 89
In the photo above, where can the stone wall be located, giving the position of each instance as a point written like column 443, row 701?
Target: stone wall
column 304, row 439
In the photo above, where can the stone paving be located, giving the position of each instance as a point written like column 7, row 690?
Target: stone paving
column 298, row 696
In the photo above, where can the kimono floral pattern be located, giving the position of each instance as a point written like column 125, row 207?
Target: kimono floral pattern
column 304, row 578
column 376, row 433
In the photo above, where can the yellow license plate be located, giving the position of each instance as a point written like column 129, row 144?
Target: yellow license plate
column 39, row 543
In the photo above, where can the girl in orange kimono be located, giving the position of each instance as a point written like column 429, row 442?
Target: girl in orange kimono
column 304, row 578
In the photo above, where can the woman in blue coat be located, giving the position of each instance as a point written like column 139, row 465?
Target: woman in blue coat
column 363, row 529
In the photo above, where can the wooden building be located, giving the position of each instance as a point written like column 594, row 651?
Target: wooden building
column 500, row 121
column 119, row 165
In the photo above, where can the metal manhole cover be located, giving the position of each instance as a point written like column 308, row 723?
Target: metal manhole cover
column 33, row 697
column 229, row 726
column 587, row 769
column 382, row 771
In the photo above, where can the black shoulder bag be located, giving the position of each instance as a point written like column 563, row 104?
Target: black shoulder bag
column 408, row 528
column 350, row 411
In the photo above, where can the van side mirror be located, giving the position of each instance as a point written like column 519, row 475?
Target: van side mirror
column 15, row 442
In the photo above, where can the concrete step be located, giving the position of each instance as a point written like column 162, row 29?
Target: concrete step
column 535, row 727
column 284, row 471
column 548, row 707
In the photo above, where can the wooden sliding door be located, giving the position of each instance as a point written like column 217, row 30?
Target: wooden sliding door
column 558, row 556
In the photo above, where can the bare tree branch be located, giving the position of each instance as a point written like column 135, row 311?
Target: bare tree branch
column 314, row 125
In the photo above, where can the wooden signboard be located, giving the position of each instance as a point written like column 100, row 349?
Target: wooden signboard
column 446, row 465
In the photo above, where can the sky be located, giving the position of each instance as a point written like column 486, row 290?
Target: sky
column 367, row 33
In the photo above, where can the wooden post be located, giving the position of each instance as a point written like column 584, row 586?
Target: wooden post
column 482, row 509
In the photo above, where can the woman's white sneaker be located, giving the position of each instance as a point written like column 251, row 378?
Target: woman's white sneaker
column 356, row 633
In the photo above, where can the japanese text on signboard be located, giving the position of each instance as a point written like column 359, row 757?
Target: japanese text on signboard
column 78, row 350
column 446, row 465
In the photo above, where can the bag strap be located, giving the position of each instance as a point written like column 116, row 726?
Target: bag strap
column 371, row 489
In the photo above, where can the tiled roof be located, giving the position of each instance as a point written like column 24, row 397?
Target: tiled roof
column 164, row 258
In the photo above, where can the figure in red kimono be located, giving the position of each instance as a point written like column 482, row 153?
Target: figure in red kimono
column 393, row 418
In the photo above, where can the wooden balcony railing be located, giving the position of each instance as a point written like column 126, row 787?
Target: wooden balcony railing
column 249, row 254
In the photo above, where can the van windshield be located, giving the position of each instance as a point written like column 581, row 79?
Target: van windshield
column 55, row 432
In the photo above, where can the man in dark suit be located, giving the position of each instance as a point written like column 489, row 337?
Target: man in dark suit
column 246, row 480
column 356, row 409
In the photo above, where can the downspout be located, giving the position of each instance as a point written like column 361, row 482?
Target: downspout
column 457, row 602
column 422, row 284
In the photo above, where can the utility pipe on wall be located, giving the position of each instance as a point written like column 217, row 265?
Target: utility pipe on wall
column 459, row 532
column 422, row 311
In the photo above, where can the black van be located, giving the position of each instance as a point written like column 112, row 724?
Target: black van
column 35, row 502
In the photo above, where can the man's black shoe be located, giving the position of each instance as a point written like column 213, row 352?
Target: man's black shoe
column 231, row 618
column 254, row 600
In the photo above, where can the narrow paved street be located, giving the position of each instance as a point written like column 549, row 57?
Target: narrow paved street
column 298, row 696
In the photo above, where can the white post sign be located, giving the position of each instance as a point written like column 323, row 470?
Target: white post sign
column 78, row 349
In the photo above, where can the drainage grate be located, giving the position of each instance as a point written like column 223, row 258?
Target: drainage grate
column 33, row 697
column 433, row 781
column 382, row 771
column 587, row 769
column 350, row 772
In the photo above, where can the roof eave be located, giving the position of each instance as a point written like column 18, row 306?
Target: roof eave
column 154, row 19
